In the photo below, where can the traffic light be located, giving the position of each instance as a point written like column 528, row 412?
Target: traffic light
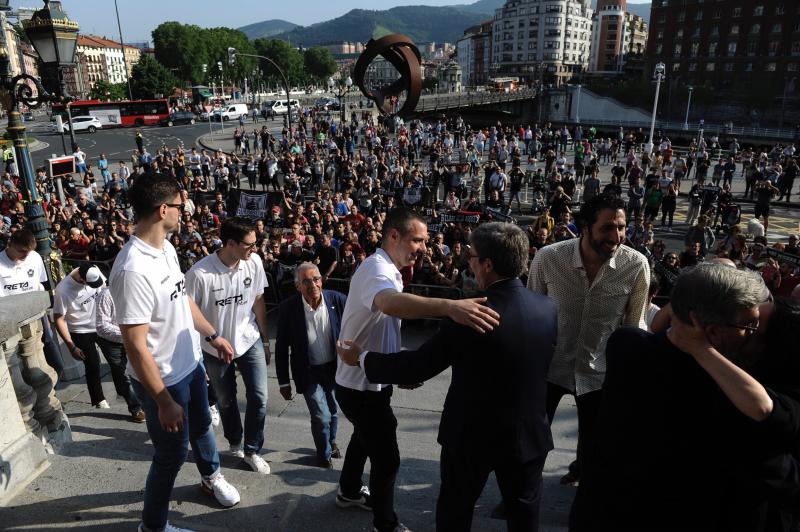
column 231, row 56
column 219, row 65
column 205, row 68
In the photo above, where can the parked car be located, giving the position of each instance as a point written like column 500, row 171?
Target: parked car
column 328, row 104
column 179, row 117
column 81, row 123
column 279, row 107
column 28, row 117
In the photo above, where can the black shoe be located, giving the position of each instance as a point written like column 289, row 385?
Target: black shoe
column 363, row 500
column 324, row 463
column 572, row 478
column 335, row 452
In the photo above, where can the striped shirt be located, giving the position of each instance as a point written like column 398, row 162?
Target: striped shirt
column 589, row 313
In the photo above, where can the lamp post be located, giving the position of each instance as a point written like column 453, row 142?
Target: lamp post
column 688, row 103
column 232, row 53
column 54, row 37
column 578, row 109
column 341, row 95
column 659, row 75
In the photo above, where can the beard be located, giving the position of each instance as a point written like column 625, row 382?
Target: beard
column 597, row 246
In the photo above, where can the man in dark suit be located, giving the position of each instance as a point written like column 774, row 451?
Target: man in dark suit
column 308, row 326
column 494, row 416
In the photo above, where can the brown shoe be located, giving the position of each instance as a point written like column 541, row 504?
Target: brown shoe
column 138, row 417
column 335, row 452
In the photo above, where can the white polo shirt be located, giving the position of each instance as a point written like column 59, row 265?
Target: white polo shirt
column 363, row 323
column 23, row 277
column 226, row 296
column 76, row 302
column 147, row 286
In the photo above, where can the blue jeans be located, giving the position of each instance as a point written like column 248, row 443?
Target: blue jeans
column 320, row 395
column 171, row 448
column 253, row 367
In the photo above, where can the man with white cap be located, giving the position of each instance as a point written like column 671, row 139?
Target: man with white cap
column 74, row 316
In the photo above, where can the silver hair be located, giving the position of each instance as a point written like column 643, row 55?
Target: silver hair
column 716, row 293
column 504, row 244
column 303, row 267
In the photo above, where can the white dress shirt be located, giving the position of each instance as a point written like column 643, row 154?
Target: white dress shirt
column 318, row 330
column 589, row 313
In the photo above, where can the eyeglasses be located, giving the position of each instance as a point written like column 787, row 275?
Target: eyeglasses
column 312, row 281
column 248, row 246
column 749, row 329
column 178, row 206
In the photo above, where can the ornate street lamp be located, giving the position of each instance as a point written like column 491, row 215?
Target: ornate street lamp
column 659, row 77
column 54, row 37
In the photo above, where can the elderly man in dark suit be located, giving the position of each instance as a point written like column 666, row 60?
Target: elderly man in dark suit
column 308, row 326
column 494, row 416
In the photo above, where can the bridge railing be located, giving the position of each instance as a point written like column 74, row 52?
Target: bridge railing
column 694, row 127
column 469, row 99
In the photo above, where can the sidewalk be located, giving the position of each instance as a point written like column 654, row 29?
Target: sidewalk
column 97, row 484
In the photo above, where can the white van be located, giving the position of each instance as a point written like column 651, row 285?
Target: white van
column 231, row 112
column 278, row 107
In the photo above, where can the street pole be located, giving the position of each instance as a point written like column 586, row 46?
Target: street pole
column 124, row 59
column 689, row 103
column 578, row 107
column 660, row 68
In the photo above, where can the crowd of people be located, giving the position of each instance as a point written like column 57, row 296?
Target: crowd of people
column 600, row 248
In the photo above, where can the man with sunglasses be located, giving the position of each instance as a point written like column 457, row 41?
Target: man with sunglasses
column 228, row 287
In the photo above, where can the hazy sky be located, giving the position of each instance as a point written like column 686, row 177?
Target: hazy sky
column 139, row 17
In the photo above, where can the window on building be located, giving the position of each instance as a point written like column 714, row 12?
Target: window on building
column 521, row 35
column 737, row 12
column 728, row 67
column 521, row 23
column 676, row 52
column 770, row 67
column 795, row 50
column 710, row 67
column 679, row 34
column 717, row 14
column 715, row 29
column 774, row 48
column 696, row 32
column 731, row 48
column 748, row 67
column 676, row 67
column 758, row 11
column 791, row 67
column 712, row 49
column 662, row 18
column 780, row 10
column 533, row 34
column 752, row 48
column 698, row 15
column 659, row 48
column 755, row 28
column 695, row 49
column 681, row 16
column 735, row 29
column 777, row 28
column 532, row 45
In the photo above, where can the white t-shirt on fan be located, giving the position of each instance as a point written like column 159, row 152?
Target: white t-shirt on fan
column 23, row 277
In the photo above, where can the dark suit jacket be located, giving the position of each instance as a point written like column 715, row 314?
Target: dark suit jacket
column 292, row 336
column 496, row 400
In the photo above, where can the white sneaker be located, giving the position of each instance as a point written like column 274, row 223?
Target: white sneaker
column 167, row 528
column 217, row 486
column 257, row 464
column 236, row 450
column 103, row 405
column 214, row 415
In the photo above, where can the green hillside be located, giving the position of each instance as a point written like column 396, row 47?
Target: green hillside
column 267, row 28
column 421, row 23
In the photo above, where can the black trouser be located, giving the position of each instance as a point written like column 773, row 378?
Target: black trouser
column 86, row 343
column 668, row 210
column 374, row 437
column 114, row 354
column 464, row 475
column 588, row 407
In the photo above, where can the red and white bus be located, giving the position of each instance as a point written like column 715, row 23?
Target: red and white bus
column 118, row 114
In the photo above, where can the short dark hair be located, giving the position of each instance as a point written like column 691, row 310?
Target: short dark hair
column 401, row 219
column 23, row 238
column 591, row 209
column 504, row 244
column 150, row 191
column 236, row 228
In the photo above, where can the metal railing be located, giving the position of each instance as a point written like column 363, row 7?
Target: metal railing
column 471, row 99
column 719, row 130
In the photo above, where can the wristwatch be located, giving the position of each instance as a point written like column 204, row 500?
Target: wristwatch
column 211, row 338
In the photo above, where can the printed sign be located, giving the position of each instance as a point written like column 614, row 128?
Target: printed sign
column 108, row 117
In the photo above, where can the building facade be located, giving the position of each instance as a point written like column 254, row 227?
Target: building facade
column 727, row 44
column 450, row 78
column 132, row 56
column 474, row 54
column 616, row 35
column 547, row 40
column 104, row 60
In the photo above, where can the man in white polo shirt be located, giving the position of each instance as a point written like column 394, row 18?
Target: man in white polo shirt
column 375, row 307
column 228, row 287
column 158, row 320
column 21, row 271
column 73, row 314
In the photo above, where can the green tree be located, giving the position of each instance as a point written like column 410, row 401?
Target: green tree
column 182, row 47
column 287, row 58
column 103, row 90
column 319, row 63
column 151, row 79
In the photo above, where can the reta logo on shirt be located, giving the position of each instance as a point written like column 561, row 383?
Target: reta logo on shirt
column 180, row 290
column 17, row 286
